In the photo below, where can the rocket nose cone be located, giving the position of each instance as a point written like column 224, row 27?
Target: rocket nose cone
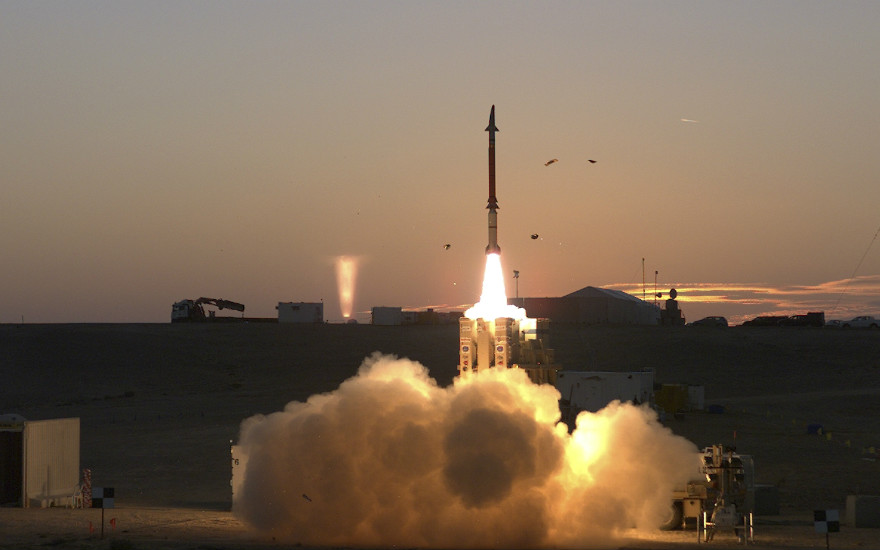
column 491, row 127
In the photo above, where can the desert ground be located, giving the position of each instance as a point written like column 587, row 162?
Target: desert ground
column 160, row 404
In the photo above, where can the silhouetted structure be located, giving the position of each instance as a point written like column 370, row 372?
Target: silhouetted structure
column 592, row 306
column 671, row 315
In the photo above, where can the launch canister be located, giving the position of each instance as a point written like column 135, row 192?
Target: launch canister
column 492, row 247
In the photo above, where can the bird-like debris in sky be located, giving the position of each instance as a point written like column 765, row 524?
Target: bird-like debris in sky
column 689, row 120
column 534, row 236
column 551, row 161
column 591, row 161
column 447, row 246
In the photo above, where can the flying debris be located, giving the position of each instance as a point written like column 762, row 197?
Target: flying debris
column 534, row 236
column 551, row 161
column 689, row 120
column 591, row 161
column 305, row 496
column 447, row 246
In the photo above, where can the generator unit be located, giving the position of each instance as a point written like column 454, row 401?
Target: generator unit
column 722, row 498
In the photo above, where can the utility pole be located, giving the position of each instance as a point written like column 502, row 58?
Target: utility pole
column 643, row 279
column 655, row 287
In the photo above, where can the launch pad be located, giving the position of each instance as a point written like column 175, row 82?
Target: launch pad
column 506, row 343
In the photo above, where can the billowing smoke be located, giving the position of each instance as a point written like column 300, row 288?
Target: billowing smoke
column 392, row 459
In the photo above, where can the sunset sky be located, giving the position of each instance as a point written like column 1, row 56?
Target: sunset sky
column 156, row 151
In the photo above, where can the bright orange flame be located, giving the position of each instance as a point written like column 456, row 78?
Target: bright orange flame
column 493, row 301
column 346, row 269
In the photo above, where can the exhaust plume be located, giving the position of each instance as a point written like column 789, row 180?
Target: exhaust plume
column 493, row 298
column 391, row 459
column 346, row 270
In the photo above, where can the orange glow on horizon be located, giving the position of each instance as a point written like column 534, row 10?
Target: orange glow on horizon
column 739, row 302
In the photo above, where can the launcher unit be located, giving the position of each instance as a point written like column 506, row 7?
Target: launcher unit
column 506, row 343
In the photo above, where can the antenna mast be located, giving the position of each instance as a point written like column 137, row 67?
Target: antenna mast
column 643, row 279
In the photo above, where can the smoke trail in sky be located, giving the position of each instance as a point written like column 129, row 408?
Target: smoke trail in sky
column 391, row 459
column 346, row 269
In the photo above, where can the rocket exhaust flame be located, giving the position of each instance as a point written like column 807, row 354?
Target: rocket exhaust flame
column 493, row 300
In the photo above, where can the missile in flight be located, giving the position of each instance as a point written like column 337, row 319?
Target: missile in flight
column 492, row 247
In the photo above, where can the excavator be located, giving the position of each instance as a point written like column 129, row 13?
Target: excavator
column 192, row 311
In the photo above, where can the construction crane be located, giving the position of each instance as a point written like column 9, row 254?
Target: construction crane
column 188, row 311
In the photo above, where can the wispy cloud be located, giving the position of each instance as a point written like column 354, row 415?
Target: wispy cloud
column 840, row 299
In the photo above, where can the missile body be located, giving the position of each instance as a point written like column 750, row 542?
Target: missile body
column 492, row 247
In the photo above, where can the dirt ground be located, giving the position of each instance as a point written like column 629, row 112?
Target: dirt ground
column 160, row 404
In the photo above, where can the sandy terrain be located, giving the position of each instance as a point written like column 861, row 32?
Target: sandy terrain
column 159, row 405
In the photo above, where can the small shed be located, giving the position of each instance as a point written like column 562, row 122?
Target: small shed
column 300, row 312
column 39, row 461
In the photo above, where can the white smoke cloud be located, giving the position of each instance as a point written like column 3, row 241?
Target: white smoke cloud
column 392, row 459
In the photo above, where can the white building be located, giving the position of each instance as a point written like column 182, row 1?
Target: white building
column 300, row 312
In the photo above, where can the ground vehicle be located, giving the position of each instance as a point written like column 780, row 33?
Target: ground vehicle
column 811, row 319
column 710, row 322
column 723, row 498
column 765, row 321
column 193, row 311
column 862, row 321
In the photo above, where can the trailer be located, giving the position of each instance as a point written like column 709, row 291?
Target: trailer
column 193, row 311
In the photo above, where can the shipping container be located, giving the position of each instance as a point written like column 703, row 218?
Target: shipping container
column 592, row 390
column 39, row 462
